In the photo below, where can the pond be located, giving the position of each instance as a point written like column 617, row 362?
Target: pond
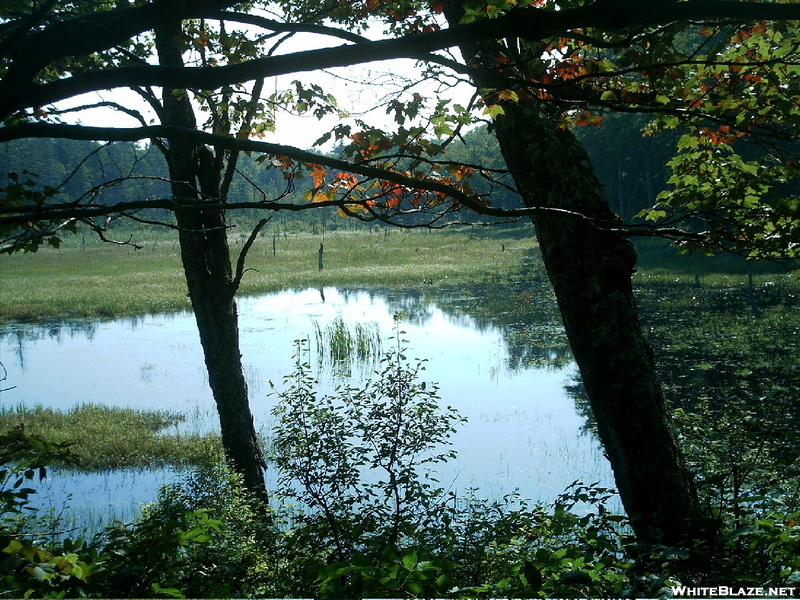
column 507, row 371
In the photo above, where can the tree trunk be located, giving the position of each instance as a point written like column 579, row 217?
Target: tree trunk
column 209, row 277
column 591, row 270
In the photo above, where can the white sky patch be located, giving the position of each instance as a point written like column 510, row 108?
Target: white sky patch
column 360, row 90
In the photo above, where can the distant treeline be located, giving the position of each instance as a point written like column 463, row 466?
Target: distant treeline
column 631, row 167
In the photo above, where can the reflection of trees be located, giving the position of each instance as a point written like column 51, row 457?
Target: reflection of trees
column 57, row 330
column 413, row 303
column 521, row 306
column 577, row 393
column 17, row 334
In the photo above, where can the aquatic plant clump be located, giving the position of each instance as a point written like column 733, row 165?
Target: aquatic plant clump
column 110, row 437
column 341, row 348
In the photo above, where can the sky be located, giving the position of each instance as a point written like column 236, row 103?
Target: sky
column 357, row 89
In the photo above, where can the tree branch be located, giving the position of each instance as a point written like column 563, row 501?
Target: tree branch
column 280, row 26
column 30, row 235
column 103, row 30
column 80, row 132
column 240, row 270
column 27, row 24
column 23, row 215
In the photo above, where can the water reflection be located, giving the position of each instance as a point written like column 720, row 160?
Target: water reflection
column 119, row 494
column 523, row 309
column 497, row 351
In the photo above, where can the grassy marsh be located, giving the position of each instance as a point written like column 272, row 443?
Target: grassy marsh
column 108, row 437
column 103, row 281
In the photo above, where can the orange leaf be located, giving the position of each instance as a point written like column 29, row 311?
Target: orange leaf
column 319, row 174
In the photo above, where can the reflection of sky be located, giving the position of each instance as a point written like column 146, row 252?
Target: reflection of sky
column 523, row 430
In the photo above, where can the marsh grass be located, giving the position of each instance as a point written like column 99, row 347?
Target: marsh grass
column 108, row 281
column 342, row 348
column 96, row 281
column 107, row 437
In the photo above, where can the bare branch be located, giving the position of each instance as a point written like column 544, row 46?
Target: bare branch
column 105, row 104
column 281, row 26
column 244, row 131
column 240, row 270
column 3, row 377
column 101, row 230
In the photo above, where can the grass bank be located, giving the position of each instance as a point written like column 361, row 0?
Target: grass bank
column 104, row 281
column 108, row 437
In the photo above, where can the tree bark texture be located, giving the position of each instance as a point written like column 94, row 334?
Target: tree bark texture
column 205, row 254
column 590, row 270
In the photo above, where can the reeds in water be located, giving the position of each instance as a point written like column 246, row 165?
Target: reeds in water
column 342, row 348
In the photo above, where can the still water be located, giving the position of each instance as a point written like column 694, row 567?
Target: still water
column 524, row 431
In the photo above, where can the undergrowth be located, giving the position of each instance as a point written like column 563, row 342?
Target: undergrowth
column 360, row 513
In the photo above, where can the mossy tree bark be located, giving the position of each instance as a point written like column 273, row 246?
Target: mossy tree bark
column 590, row 270
column 196, row 177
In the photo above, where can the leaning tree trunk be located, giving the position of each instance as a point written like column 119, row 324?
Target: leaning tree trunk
column 590, row 270
column 209, row 278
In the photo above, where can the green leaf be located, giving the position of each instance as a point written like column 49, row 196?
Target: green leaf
column 494, row 111
column 410, row 560
column 197, row 534
column 532, row 575
column 168, row 592
column 14, row 546
column 415, row 588
column 442, row 582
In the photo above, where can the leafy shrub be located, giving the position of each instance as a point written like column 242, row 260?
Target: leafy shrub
column 23, row 457
column 204, row 537
column 372, row 520
column 745, row 452
column 359, row 462
column 26, row 566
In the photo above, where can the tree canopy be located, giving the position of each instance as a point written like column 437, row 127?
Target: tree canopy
column 723, row 73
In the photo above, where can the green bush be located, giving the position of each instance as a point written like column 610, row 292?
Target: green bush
column 370, row 517
column 203, row 538
column 359, row 463
column 27, row 567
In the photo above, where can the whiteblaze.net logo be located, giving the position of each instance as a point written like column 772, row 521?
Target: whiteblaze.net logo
column 724, row 591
